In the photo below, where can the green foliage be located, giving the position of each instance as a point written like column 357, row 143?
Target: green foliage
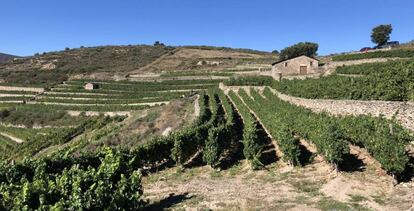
column 220, row 132
column 299, row 49
column 381, row 34
column 252, row 144
column 37, row 139
column 249, row 81
column 391, row 81
column 335, row 145
column 274, row 119
column 397, row 53
column 384, row 139
column 310, row 126
column 288, row 144
column 213, row 149
column 190, row 139
column 107, row 180
column 28, row 117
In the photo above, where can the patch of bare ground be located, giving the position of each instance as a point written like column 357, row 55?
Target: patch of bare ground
column 142, row 125
column 278, row 187
column 240, row 188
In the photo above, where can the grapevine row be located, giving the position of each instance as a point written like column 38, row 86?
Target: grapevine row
column 325, row 135
column 385, row 140
column 252, row 144
column 273, row 119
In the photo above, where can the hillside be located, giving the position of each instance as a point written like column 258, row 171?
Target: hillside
column 117, row 62
column 202, row 133
column 105, row 61
column 5, row 57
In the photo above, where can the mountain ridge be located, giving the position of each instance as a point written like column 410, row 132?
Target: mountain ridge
column 4, row 57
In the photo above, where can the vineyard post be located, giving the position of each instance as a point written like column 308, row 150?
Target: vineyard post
column 391, row 129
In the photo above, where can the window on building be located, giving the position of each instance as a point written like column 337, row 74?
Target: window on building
column 311, row 63
column 286, row 64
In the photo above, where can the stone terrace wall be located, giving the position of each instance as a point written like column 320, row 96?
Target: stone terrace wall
column 26, row 89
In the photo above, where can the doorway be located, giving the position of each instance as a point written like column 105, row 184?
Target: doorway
column 303, row 70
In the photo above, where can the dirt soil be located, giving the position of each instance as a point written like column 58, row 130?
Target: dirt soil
column 314, row 186
column 159, row 120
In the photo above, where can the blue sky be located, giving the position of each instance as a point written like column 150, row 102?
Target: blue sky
column 30, row 26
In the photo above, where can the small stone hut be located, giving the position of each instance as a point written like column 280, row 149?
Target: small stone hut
column 301, row 65
column 91, row 86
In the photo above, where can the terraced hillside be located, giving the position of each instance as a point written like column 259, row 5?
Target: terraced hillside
column 118, row 62
column 208, row 58
column 208, row 143
column 33, row 119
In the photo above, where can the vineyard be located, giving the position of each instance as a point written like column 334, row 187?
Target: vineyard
column 391, row 81
column 111, row 96
column 34, row 121
column 226, row 130
column 56, row 155
column 400, row 53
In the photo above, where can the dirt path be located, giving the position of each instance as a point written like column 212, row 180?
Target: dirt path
column 79, row 104
column 15, row 139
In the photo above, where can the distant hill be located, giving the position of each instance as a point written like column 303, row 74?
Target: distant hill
column 54, row 67
column 117, row 62
column 4, row 57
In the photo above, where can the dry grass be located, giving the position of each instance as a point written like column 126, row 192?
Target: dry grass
column 278, row 187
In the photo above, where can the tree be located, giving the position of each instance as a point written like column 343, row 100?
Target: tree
column 299, row 49
column 158, row 43
column 275, row 52
column 381, row 34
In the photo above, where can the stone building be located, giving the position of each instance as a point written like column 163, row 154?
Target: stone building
column 91, row 86
column 302, row 65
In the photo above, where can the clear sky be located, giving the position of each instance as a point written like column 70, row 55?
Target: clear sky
column 30, row 26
